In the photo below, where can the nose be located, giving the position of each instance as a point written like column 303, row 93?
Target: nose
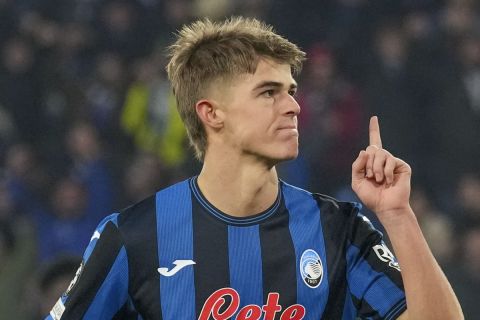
column 292, row 108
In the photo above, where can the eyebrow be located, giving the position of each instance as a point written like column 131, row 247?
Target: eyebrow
column 276, row 84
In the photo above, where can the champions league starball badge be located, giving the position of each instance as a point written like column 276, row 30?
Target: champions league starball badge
column 311, row 268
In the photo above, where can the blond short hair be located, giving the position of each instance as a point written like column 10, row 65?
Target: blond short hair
column 207, row 51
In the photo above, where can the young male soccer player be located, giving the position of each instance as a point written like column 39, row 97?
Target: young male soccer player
column 234, row 242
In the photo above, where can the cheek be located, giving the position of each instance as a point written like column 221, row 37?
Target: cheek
column 250, row 135
column 251, row 125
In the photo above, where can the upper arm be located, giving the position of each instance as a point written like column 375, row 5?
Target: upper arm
column 374, row 278
column 403, row 316
column 100, row 287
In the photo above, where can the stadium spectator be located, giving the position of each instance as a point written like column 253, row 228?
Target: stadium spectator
column 464, row 275
column 436, row 226
column 143, row 177
column 467, row 205
column 105, row 93
column 150, row 113
column 390, row 93
column 7, row 19
column 332, row 110
column 90, row 168
column 17, row 257
column 63, row 226
column 25, row 173
column 454, row 115
column 123, row 28
column 64, row 215
column 52, row 280
column 21, row 89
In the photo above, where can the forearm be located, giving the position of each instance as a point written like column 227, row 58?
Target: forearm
column 429, row 294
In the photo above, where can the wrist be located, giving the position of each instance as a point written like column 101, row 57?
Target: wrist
column 396, row 217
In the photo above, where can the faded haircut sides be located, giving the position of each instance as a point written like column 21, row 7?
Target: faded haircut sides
column 207, row 51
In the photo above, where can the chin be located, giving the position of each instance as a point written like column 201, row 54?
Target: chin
column 274, row 153
column 286, row 155
column 290, row 157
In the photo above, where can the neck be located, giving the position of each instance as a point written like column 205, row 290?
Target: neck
column 239, row 186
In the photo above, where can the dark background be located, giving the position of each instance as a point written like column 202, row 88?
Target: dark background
column 88, row 123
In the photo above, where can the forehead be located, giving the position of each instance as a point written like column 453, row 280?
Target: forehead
column 268, row 69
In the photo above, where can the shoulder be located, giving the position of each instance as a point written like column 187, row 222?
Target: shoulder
column 143, row 214
column 136, row 212
column 335, row 206
column 328, row 206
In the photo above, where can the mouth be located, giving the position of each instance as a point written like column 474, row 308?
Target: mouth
column 289, row 129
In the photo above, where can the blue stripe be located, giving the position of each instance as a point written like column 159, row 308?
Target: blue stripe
column 370, row 285
column 306, row 231
column 397, row 310
column 175, row 234
column 245, row 260
column 105, row 304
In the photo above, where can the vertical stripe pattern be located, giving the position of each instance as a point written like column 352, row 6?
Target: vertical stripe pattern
column 278, row 256
column 307, row 233
column 113, row 293
column 336, row 217
column 372, row 286
column 175, row 234
column 138, row 227
column 165, row 256
column 102, row 260
column 210, row 243
column 245, row 261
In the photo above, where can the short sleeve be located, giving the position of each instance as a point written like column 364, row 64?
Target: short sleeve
column 373, row 274
column 99, row 289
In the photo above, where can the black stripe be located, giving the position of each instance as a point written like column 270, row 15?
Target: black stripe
column 365, row 310
column 126, row 313
column 279, row 260
column 210, row 252
column 138, row 227
column 335, row 217
column 364, row 236
column 94, row 273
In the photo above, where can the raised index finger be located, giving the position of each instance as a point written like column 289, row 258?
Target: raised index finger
column 374, row 132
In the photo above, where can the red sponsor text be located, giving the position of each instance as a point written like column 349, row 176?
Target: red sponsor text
column 217, row 302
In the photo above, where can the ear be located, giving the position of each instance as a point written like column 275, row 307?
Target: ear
column 209, row 113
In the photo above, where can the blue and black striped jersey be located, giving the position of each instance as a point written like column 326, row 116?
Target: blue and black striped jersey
column 175, row 256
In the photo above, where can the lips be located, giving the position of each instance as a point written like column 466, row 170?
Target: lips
column 290, row 130
column 287, row 127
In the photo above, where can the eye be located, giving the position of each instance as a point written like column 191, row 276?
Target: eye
column 268, row 93
column 292, row 92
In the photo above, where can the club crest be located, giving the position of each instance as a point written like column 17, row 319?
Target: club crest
column 311, row 268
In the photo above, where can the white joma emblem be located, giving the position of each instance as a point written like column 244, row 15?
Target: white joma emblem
column 179, row 264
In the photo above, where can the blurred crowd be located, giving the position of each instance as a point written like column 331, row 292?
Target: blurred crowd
column 88, row 123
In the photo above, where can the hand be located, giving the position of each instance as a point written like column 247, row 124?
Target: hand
column 380, row 180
